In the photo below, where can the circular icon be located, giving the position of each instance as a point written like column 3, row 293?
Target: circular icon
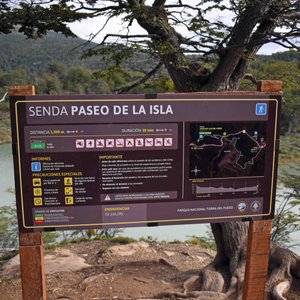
column 242, row 206
column 255, row 206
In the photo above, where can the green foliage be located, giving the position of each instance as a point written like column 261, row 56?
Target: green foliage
column 122, row 240
column 53, row 64
column 289, row 151
column 115, row 76
column 35, row 55
column 5, row 134
column 291, row 110
column 36, row 20
column 4, row 106
column 287, row 72
column 285, row 67
column 287, row 219
column 103, row 249
column 76, row 236
column 8, row 229
column 205, row 242
column 50, row 239
column 149, row 239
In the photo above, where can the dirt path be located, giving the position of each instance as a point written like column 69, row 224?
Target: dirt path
column 97, row 270
column 100, row 270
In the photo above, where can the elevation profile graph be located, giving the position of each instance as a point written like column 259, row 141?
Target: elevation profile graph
column 234, row 188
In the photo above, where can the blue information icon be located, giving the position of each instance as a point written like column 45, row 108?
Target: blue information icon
column 36, row 167
column 261, row 109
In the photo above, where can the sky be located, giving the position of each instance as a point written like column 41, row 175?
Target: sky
column 85, row 28
column 91, row 26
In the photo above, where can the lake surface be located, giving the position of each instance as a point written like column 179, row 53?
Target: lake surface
column 166, row 233
column 6, row 175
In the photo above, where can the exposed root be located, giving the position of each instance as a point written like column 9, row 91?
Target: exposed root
column 237, row 282
column 212, row 280
column 189, row 287
column 284, row 266
column 208, row 295
column 280, row 289
column 193, row 295
column 224, row 279
column 191, row 284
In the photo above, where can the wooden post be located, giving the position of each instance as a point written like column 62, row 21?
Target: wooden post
column 31, row 244
column 257, row 263
column 269, row 86
column 32, row 266
column 23, row 90
column 259, row 235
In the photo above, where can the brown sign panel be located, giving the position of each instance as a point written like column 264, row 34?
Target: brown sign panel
column 116, row 161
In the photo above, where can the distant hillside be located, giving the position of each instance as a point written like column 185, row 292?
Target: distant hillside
column 55, row 66
column 289, row 56
column 34, row 55
column 17, row 52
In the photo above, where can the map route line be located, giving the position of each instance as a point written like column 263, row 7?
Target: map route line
column 233, row 141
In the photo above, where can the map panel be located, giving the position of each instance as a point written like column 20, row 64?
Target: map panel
column 219, row 150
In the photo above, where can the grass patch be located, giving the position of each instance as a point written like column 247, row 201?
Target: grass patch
column 103, row 249
column 5, row 133
column 176, row 242
column 289, row 151
column 202, row 241
column 4, row 106
column 122, row 240
column 149, row 239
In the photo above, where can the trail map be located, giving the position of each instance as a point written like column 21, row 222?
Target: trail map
column 227, row 149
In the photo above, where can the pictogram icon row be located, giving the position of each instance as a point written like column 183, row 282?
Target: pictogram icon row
column 108, row 143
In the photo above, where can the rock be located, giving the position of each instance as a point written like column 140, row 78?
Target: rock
column 201, row 259
column 63, row 260
column 11, row 269
column 169, row 253
column 90, row 280
column 127, row 250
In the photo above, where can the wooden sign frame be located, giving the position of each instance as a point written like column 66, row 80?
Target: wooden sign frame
column 31, row 244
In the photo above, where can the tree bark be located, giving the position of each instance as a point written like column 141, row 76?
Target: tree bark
column 166, row 42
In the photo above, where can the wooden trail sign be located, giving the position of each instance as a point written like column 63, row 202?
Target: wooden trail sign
column 115, row 161
column 111, row 161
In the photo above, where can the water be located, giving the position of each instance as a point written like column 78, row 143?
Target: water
column 165, row 233
column 6, row 175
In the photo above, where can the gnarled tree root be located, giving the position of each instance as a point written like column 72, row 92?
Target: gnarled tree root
column 219, row 281
column 284, row 267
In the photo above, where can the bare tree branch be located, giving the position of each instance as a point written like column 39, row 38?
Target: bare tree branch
column 251, row 77
column 127, row 88
column 128, row 37
column 158, row 3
